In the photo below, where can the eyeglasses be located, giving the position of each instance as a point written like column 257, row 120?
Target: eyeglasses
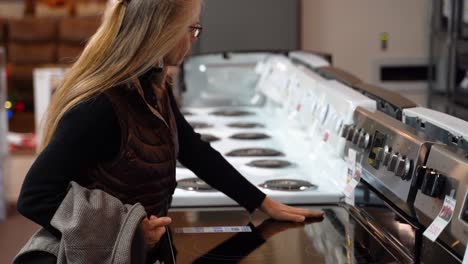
column 196, row 30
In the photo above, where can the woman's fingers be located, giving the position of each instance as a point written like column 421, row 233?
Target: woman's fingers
column 154, row 235
column 154, row 228
column 303, row 212
column 155, row 222
column 287, row 216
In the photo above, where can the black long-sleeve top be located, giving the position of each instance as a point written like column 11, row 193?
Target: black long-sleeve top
column 90, row 133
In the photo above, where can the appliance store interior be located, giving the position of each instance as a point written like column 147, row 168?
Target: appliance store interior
column 351, row 116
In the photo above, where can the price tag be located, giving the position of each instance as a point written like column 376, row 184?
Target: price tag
column 351, row 162
column 353, row 177
column 213, row 229
column 326, row 135
column 354, row 181
column 442, row 220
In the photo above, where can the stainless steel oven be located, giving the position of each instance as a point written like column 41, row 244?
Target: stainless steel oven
column 405, row 176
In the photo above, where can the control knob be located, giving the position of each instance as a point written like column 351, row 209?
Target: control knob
column 356, row 136
column 386, row 155
column 350, row 133
column 403, row 168
column 393, row 162
column 433, row 184
column 345, row 131
column 338, row 126
column 364, row 140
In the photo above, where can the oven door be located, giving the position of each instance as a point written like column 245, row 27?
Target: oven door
column 392, row 228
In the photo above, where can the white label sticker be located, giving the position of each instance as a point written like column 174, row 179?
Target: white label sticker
column 213, row 229
column 354, row 181
column 353, row 177
column 442, row 220
column 352, row 184
column 351, row 161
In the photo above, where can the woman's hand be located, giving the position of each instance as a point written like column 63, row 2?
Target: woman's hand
column 283, row 212
column 154, row 228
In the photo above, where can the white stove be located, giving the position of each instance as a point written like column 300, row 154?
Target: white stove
column 245, row 164
column 296, row 135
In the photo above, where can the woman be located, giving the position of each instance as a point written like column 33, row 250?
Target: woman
column 114, row 125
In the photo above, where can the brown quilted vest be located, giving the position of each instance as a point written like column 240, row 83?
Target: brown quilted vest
column 144, row 170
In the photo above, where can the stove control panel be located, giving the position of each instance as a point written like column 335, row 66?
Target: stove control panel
column 445, row 173
column 389, row 151
column 332, row 114
column 358, row 136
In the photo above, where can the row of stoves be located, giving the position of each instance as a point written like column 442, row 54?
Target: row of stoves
column 295, row 147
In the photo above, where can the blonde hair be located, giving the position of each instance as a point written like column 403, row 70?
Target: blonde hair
column 133, row 37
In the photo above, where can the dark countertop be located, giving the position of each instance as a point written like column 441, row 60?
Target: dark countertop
column 317, row 241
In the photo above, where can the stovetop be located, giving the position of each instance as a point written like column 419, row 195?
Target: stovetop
column 320, row 175
column 234, row 142
column 336, row 238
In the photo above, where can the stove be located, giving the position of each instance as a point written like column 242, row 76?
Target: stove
column 313, row 119
column 407, row 171
column 284, row 134
column 444, row 174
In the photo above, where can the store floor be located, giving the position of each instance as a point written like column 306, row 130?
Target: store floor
column 14, row 233
column 16, row 230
